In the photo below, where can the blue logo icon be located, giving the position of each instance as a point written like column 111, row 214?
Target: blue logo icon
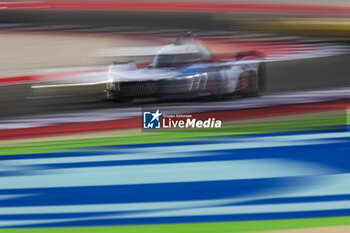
column 152, row 120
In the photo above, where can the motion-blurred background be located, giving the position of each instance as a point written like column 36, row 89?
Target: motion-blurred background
column 75, row 162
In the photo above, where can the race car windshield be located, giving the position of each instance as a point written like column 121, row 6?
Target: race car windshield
column 166, row 60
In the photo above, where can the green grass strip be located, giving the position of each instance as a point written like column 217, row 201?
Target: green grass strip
column 127, row 138
column 218, row 227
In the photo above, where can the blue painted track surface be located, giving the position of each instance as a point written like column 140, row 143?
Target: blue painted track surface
column 271, row 176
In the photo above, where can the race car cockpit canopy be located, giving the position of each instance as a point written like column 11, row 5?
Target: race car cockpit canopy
column 181, row 53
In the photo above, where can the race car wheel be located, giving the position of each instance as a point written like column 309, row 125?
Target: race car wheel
column 262, row 78
column 257, row 83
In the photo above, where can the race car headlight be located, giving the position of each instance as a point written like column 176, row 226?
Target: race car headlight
column 184, row 77
column 192, row 76
column 110, row 84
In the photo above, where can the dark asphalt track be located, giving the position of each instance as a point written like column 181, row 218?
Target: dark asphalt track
column 283, row 76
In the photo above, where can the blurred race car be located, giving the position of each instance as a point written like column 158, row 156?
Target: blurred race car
column 188, row 69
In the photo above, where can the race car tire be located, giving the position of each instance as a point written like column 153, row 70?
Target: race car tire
column 258, row 83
